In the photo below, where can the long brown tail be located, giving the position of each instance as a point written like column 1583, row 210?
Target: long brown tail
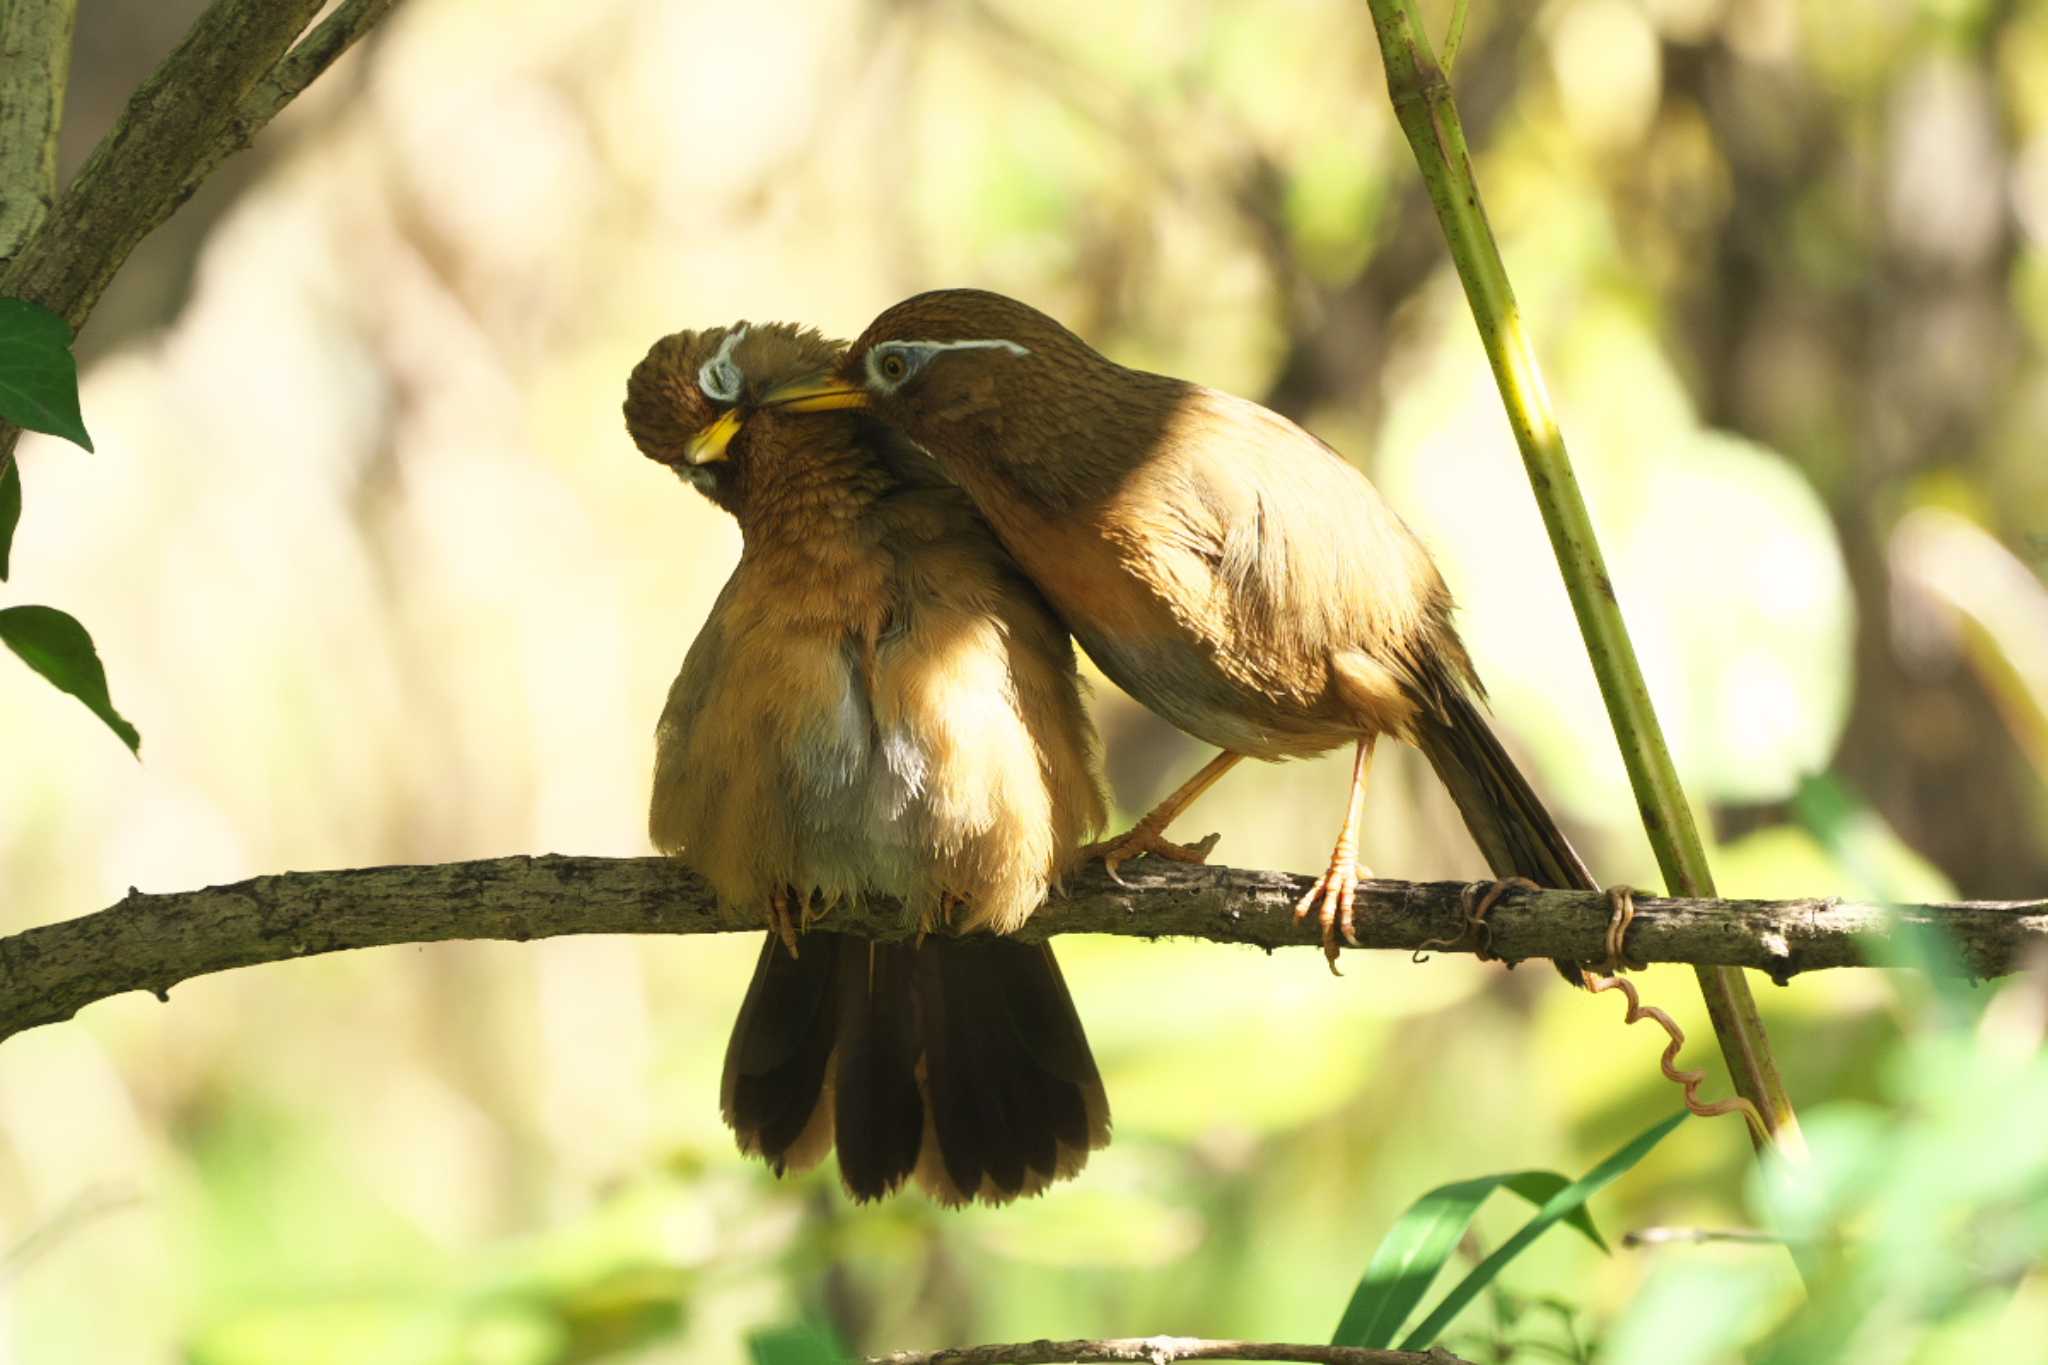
column 1509, row 823
column 959, row 1061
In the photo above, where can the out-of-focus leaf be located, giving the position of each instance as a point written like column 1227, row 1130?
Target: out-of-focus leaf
column 1693, row 1313
column 1128, row 1229
column 1555, row 1209
column 797, row 1344
column 10, row 511
column 38, row 377
column 1422, row 1239
column 624, row 1309
column 1855, row 834
column 333, row 1332
column 56, row 646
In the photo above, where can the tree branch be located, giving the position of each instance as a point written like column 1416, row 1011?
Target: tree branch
column 224, row 82
column 336, row 34
column 1160, row 1351
column 153, row 942
column 137, row 174
column 35, row 66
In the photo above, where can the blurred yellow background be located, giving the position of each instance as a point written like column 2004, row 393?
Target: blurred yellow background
column 377, row 573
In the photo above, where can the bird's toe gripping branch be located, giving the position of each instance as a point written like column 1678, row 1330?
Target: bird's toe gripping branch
column 1142, row 839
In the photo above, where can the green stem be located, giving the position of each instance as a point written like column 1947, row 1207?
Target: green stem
column 1422, row 102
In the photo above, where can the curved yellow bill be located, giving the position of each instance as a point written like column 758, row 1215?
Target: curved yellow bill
column 815, row 393
column 709, row 444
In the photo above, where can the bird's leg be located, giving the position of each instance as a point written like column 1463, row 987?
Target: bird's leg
column 1149, row 834
column 939, row 916
column 1332, row 896
column 782, row 918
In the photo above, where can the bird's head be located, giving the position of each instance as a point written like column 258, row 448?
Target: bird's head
column 949, row 363
column 690, row 403
column 1002, row 398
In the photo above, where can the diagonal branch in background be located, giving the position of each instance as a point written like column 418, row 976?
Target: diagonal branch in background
column 153, row 942
column 232, row 73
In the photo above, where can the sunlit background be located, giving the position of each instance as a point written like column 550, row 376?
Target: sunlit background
column 378, row 575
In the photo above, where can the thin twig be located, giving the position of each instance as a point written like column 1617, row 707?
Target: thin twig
column 153, row 942
column 1159, row 1351
column 1661, row 1237
column 88, row 1206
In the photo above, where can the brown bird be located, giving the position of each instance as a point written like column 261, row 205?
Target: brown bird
column 878, row 703
column 1222, row 565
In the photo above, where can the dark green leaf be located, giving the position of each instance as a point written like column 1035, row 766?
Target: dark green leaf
column 1554, row 1210
column 1422, row 1239
column 1540, row 1187
column 38, row 377
column 56, row 646
column 10, row 511
column 797, row 1344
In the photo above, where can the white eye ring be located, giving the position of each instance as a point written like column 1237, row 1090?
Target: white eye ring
column 720, row 377
column 892, row 363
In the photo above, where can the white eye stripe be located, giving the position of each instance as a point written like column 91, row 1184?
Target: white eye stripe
column 913, row 356
column 981, row 344
column 719, row 377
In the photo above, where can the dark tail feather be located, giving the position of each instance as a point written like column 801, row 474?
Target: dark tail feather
column 1014, row 1098
column 776, row 1064
column 1513, row 830
column 878, row 1112
column 961, row 1060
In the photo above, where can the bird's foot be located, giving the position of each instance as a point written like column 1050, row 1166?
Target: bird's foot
column 818, row 905
column 1143, row 838
column 782, row 920
column 940, row 918
column 1332, row 898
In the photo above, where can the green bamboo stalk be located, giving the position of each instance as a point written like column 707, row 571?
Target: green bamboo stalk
column 1422, row 101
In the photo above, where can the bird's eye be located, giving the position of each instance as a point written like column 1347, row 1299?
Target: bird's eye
column 893, row 366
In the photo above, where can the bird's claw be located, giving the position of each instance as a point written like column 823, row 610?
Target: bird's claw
column 1142, row 839
column 818, row 905
column 1333, row 897
column 782, row 921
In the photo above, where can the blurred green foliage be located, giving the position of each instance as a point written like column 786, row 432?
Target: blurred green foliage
column 373, row 562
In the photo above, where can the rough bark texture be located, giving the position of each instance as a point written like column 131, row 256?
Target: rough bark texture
column 35, row 66
column 152, row 942
column 227, row 79
column 137, row 175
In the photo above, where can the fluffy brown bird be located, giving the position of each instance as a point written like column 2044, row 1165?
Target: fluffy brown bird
column 878, row 703
column 1222, row 565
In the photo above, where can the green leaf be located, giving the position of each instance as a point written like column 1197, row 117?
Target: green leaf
column 38, row 377
column 1554, row 1210
column 1422, row 1239
column 10, row 511
column 56, row 646
column 797, row 1344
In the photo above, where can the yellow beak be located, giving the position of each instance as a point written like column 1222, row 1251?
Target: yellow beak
column 709, row 444
column 817, row 393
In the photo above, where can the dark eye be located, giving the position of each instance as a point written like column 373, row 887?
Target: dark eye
column 893, row 366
